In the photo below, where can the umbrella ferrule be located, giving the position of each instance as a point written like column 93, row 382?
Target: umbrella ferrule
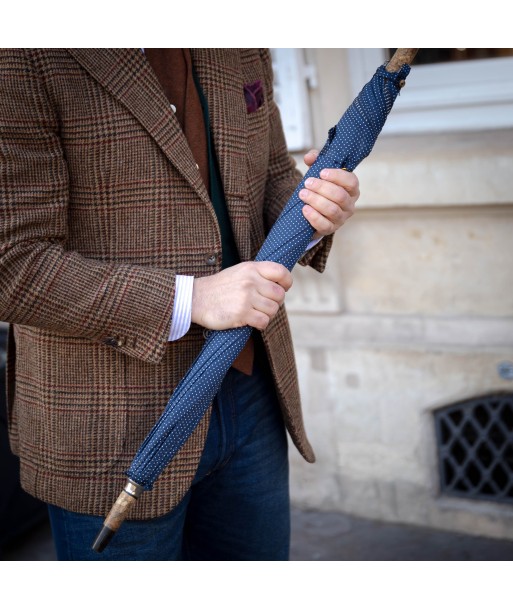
column 133, row 489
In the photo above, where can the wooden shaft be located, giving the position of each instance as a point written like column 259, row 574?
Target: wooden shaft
column 119, row 511
column 400, row 57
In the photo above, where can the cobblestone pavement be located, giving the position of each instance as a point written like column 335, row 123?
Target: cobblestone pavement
column 333, row 537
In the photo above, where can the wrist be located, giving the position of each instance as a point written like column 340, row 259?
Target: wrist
column 197, row 301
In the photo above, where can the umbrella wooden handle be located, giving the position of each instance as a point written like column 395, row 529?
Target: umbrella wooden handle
column 117, row 515
column 399, row 58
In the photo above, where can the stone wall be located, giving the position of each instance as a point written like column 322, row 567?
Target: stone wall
column 414, row 312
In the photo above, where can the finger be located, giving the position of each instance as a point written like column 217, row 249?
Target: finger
column 346, row 179
column 266, row 305
column 321, row 224
column 271, row 291
column 331, row 210
column 319, row 189
column 275, row 272
column 257, row 319
column 310, row 157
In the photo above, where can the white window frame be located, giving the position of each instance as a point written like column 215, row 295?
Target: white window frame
column 469, row 95
column 293, row 78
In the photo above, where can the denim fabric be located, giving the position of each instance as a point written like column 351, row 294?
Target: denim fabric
column 238, row 506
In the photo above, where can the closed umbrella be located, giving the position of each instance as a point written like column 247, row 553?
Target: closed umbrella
column 348, row 143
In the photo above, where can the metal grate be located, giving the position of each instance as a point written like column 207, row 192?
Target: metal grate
column 475, row 448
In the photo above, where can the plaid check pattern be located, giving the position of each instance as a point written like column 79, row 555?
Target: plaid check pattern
column 101, row 206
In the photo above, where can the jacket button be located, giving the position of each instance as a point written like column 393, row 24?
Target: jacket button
column 110, row 341
column 173, row 108
column 206, row 333
column 211, row 260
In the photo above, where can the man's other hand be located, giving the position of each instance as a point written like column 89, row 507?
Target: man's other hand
column 247, row 294
column 331, row 200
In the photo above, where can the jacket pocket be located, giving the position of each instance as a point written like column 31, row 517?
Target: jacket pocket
column 70, row 403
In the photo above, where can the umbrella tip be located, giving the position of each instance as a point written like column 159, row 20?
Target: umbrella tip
column 117, row 514
column 102, row 539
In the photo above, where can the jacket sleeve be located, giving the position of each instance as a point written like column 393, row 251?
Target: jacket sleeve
column 42, row 284
column 283, row 175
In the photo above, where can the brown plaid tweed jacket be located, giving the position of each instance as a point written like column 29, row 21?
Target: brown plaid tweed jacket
column 102, row 204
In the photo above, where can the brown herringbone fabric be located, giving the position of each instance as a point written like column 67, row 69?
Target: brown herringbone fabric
column 101, row 205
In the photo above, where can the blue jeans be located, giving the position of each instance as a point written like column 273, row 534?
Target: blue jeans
column 238, row 505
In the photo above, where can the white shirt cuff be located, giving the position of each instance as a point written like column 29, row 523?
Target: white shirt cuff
column 312, row 243
column 182, row 307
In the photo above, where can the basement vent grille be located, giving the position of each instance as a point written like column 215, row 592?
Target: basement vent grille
column 475, row 448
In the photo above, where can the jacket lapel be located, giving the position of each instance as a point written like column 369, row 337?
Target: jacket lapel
column 219, row 72
column 128, row 76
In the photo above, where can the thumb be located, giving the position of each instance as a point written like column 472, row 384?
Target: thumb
column 310, row 157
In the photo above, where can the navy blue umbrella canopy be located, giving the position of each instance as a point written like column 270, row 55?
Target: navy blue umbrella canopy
column 348, row 143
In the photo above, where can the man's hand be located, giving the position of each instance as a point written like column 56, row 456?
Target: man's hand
column 330, row 200
column 247, row 294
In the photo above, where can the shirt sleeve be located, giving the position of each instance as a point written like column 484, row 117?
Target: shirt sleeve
column 312, row 243
column 182, row 307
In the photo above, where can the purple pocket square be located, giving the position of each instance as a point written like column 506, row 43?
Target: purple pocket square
column 254, row 95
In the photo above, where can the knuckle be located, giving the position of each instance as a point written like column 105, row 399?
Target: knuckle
column 312, row 213
column 353, row 182
column 343, row 197
column 329, row 227
column 334, row 210
column 263, row 321
column 246, row 284
column 276, row 290
column 340, row 213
